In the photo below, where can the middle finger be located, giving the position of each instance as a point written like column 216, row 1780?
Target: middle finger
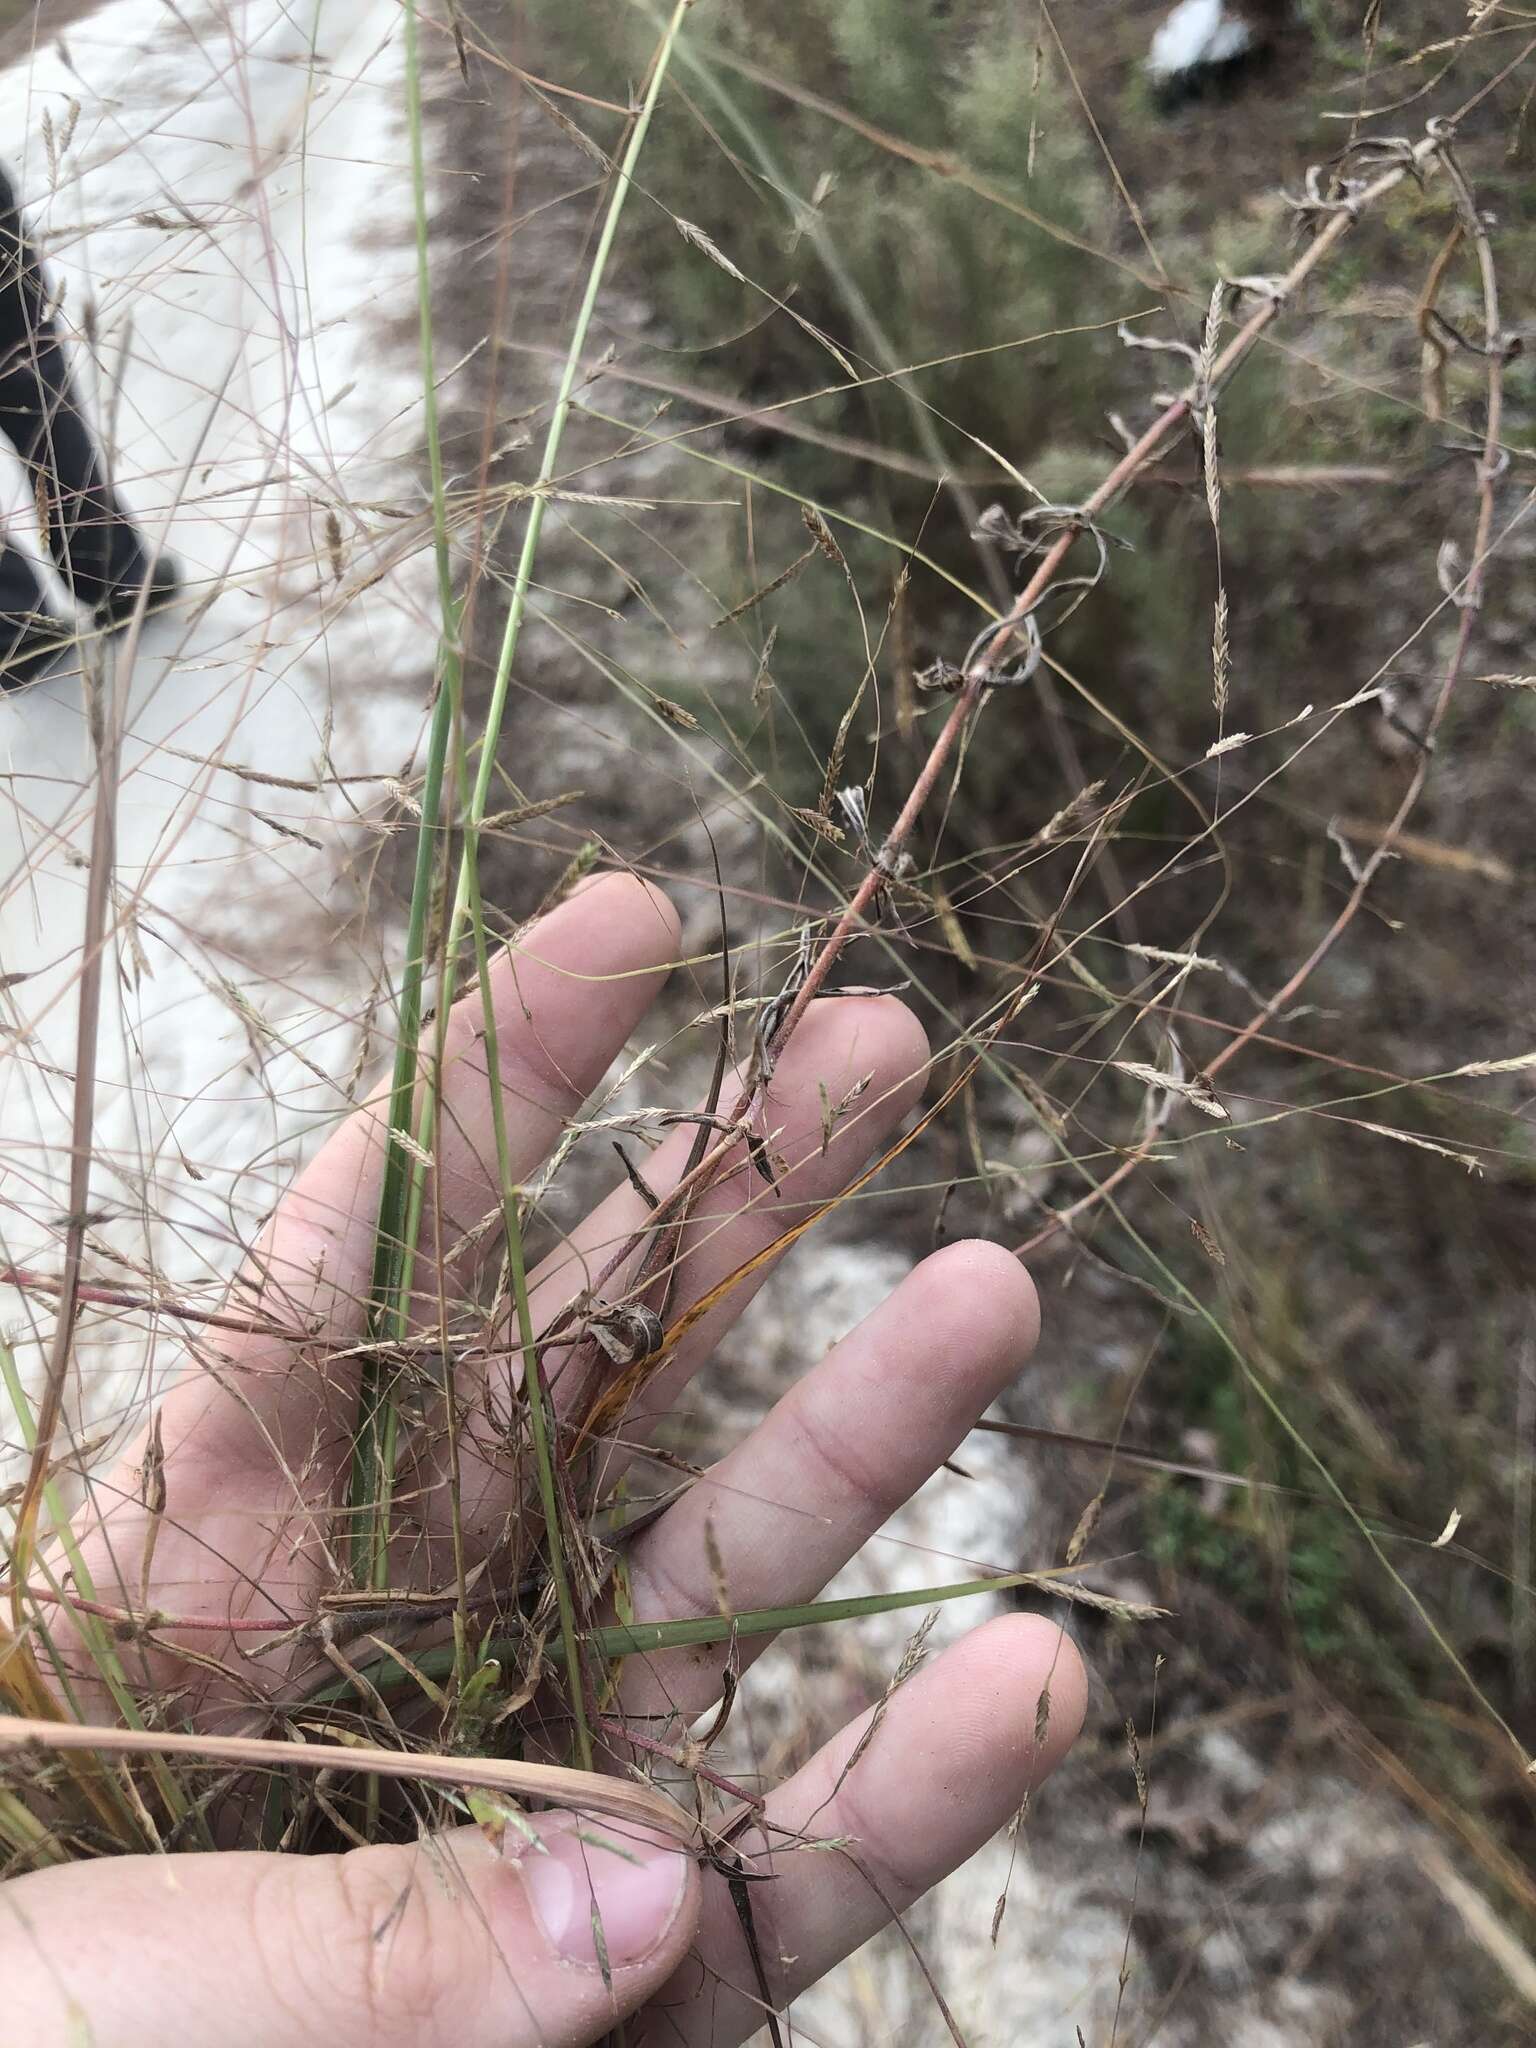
column 845, row 1447
column 840, row 1044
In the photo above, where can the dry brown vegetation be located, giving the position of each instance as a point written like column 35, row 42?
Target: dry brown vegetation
column 1072, row 561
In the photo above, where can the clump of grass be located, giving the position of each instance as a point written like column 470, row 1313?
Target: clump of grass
column 903, row 663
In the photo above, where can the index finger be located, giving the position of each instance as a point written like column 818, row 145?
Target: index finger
column 262, row 1434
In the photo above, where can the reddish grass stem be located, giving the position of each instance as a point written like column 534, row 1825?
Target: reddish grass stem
column 1413, row 164
column 1469, row 600
column 25, row 1278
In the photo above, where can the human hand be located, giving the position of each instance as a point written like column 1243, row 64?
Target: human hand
column 457, row 1939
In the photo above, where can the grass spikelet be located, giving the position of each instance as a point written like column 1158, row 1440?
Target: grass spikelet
column 1221, row 654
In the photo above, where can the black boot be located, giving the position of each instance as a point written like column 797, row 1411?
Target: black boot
column 99, row 554
column 30, row 636
column 127, row 569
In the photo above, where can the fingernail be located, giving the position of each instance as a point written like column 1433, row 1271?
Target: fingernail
column 599, row 1880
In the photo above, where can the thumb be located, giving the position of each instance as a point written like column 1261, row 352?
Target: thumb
column 452, row 1941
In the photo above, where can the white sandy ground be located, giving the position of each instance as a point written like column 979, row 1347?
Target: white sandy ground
column 217, row 208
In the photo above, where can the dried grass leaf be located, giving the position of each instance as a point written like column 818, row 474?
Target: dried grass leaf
column 1221, row 653
column 1466, row 1159
column 589, row 1792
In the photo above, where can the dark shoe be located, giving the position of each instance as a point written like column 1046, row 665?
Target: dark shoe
column 28, row 645
column 128, row 570
column 92, row 540
column 30, row 636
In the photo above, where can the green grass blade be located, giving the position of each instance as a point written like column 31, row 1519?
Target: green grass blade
column 645, row 1638
column 534, row 1389
column 373, row 1446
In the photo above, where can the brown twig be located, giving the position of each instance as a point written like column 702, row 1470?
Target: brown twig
column 25, row 1278
column 150, row 1620
column 1130, row 465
